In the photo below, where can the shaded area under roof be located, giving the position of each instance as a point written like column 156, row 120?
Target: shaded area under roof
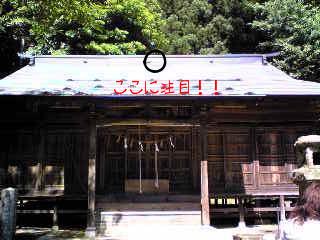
column 236, row 75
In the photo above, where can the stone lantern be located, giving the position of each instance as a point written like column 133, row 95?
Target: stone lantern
column 308, row 155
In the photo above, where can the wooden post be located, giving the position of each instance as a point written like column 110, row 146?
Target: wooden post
column 254, row 157
column 205, row 208
column 55, row 226
column 241, row 213
column 40, row 182
column 91, row 227
column 126, row 158
column 194, row 158
column 282, row 209
column 227, row 165
column 101, row 162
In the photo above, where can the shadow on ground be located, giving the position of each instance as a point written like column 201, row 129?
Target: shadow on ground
column 30, row 233
column 48, row 234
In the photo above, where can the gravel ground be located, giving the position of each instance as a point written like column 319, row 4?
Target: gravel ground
column 48, row 234
column 154, row 233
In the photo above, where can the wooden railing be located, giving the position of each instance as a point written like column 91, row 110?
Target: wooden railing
column 247, row 204
column 49, row 205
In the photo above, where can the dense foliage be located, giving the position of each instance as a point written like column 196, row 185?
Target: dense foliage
column 9, row 43
column 81, row 26
column 291, row 27
column 208, row 27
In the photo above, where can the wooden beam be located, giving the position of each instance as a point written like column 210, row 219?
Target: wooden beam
column 228, row 210
column 205, row 208
column 144, row 122
column 91, row 228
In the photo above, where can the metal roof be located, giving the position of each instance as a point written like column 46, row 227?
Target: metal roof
column 236, row 75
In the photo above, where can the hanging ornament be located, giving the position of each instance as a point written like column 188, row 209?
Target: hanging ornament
column 118, row 139
column 171, row 143
column 156, row 147
column 140, row 162
column 141, row 146
column 156, row 150
column 140, row 167
column 125, row 143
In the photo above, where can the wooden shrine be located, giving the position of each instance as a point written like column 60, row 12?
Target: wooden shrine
column 175, row 153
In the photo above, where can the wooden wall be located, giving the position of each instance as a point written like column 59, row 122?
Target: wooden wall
column 66, row 166
column 63, row 161
column 42, row 150
column 251, row 159
column 44, row 144
column 12, row 157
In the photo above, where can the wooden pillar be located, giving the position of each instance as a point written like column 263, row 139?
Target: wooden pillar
column 194, row 158
column 126, row 158
column 241, row 213
column 254, row 157
column 6, row 159
column 40, row 181
column 282, row 209
column 101, row 162
column 55, row 226
column 91, row 227
column 205, row 208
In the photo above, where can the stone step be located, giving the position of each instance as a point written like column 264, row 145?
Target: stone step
column 117, row 224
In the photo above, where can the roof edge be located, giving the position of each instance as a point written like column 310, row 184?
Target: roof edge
column 168, row 56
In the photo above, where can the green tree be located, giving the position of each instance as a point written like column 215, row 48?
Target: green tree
column 208, row 27
column 9, row 43
column 82, row 27
column 192, row 29
column 292, row 28
column 131, row 26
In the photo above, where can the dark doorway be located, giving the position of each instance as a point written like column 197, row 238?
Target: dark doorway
column 119, row 159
